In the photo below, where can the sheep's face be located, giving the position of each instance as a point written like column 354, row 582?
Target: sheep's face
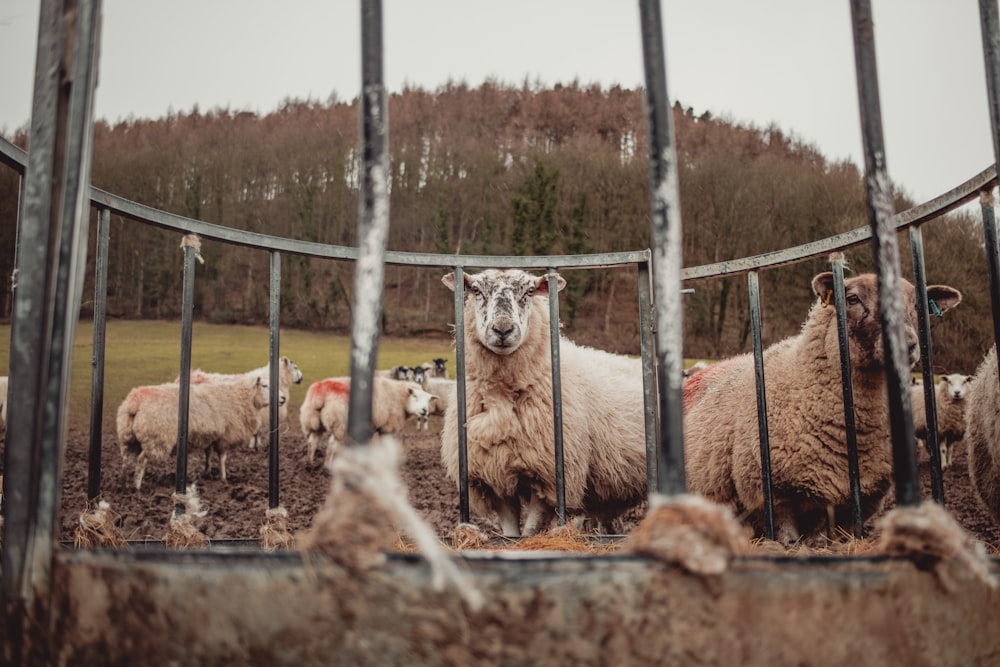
column 261, row 395
column 955, row 386
column 864, row 315
column 418, row 401
column 502, row 301
column 292, row 370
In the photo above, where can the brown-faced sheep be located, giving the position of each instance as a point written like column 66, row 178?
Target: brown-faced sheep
column 288, row 374
column 805, row 412
column 324, row 410
column 949, row 399
column 221, row 415
column 982, row 433
column 510, row 431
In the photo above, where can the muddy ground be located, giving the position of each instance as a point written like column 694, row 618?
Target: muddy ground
column 236, row 508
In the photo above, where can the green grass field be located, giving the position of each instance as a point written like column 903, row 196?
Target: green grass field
column 149, row 352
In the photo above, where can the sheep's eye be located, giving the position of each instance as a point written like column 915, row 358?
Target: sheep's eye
column 531, row 290
column 853, row 299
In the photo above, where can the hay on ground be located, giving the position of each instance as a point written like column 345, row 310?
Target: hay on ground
column 98, row 527
column 183, row 531
column 274, row 534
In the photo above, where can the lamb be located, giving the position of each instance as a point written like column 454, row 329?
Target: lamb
column 949, row 395
column 510, row 434
column 982, row 433
column 324, row 410
column 805, row 416
column 442, row 391
column 221, row 415
column 288, row 374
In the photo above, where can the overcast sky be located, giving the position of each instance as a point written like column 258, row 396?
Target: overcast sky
column 786, row 62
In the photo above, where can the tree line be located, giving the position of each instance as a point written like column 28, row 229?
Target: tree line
column 497, row 169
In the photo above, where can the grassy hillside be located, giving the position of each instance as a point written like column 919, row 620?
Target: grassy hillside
column 148, row 352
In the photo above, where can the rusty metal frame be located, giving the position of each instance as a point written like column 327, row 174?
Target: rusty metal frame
column 51, row 597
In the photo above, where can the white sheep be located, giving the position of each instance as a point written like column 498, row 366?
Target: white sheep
column 443, row 390
column 288, row 374
column 805, row 412
column 324, row 410
column 982, row 433
column 510, row 433
column 221, row 415
column 949, row 399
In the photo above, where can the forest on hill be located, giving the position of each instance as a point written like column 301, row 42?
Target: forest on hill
column 496, row 169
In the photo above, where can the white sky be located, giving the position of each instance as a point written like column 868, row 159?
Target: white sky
column 788, row 62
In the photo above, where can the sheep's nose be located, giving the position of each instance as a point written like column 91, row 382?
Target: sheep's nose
column 503, row 331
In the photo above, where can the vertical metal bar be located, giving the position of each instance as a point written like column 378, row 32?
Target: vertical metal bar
column 184, row 390
column 97, row 360
column 989, row 17
column 17, row 243
column 847, row 387
column 53, row 240
column 927, row 360
column 373, row 226
column 992, row 260
column 274, row 380
column 666, row 234
column 647, row 352
column 557, row 413
column 885, row 250
column 463, row 443
column 765, row 443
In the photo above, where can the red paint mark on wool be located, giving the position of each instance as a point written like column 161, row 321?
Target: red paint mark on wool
column 334, row 387
column 696, row 385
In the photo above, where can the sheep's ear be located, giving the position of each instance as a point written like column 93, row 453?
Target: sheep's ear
column 542, row 284
column 943, row 297
column 822, row 284
column 449, row 281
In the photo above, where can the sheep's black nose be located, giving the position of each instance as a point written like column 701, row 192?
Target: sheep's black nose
column 502, row 332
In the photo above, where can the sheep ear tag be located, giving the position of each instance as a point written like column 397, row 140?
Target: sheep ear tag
column 934, row 308
column 826, row 300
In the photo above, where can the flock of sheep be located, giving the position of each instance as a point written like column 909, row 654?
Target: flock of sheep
column 510, row 415
column 232, row 410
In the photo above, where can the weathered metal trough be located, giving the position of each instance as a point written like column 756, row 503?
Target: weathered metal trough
column 127, row 608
